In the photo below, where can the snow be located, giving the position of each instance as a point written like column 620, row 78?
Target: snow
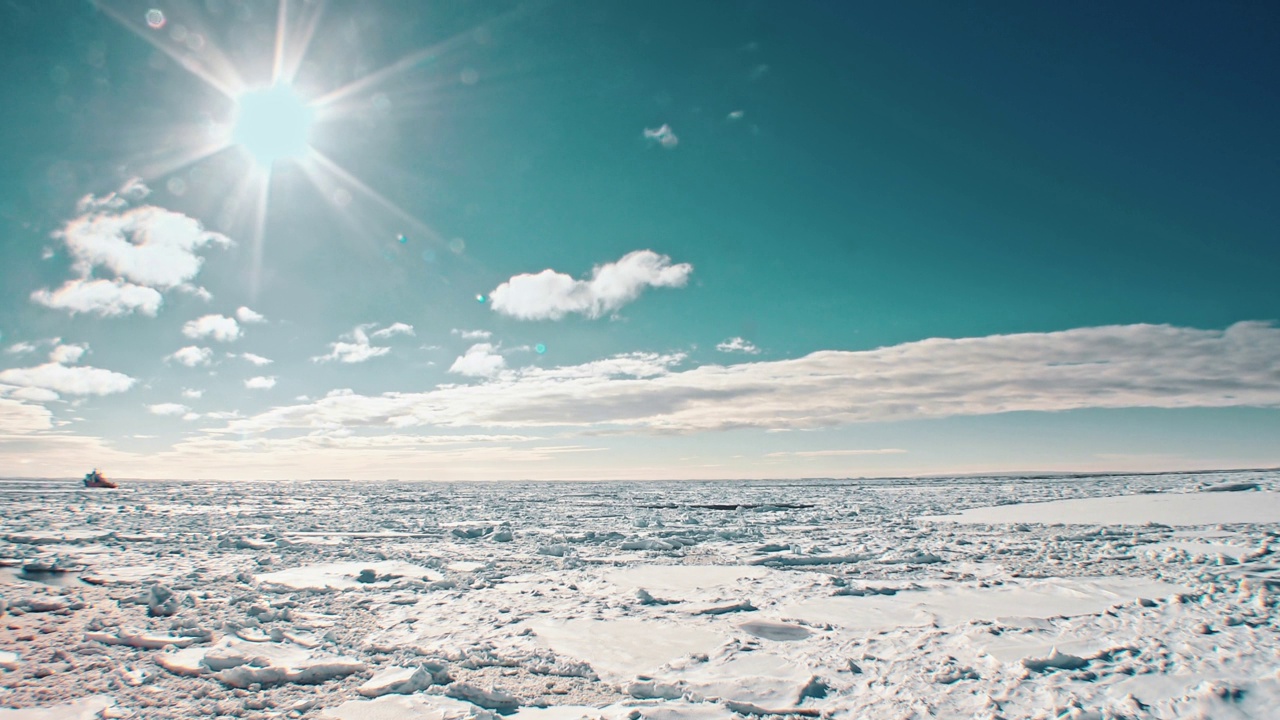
column 1108, row 596
column 954, row 604
column 87, row 708
column 345, row 575
column 1165, row 508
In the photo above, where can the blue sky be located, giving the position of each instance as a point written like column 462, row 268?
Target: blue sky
column 562, row 240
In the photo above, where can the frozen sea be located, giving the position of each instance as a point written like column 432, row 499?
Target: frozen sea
column 1147, row 596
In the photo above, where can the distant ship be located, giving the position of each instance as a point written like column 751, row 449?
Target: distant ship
column 96, row 479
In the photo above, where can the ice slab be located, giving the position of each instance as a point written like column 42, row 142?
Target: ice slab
column 682, row 581
column 956, row 604
column 88, row 708
column 406, row 707
column 622, row 649
column 1164, row 508
column 1206, row 549
column 8, row 660
column 346, row 575
column 238, row 663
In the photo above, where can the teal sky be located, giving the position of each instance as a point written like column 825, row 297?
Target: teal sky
column 593, row 240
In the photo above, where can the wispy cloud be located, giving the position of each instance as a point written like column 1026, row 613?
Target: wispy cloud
column 106, row 298
column 480, row 360
column 256, row 359
column 20, row 418
column 191, row 356
column 472, row 334
column 550, row 295
column 169, row 409
column 217, row 327
column 68, row 380
column 738, row 345
column 1104, row 367
column 354, row 347
column 834, row 453
column 394, row 329
column 148, row 250
column 663, row 135
column 260, row 383
column 191, row 394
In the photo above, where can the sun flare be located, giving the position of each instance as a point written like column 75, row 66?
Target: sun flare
column 273, row 124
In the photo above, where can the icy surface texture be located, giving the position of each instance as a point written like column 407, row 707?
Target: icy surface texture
column 1112, row 596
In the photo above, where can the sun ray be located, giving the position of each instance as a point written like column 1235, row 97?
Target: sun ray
column 282, row 19
column 414, row 59
column 160, row 167
column 415, row 226
column 230, row 87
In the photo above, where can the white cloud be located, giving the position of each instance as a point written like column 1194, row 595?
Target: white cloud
column 247, row 316
column 260, row 383
column 835, row 453
column 34, row 394
column 192, row 394
column 218, row 327
column 68, row 354
column 191, row 416
column 145, row 245
column 19, row 418
column 191, row 356
column 107, row 298
column 356, row 351
column 472, row 334
column 1104, row 367
column 737, row 344
column 196, row 291
column 394, row 329
column 664, row 136
column 256, row 359
column 480, row 360
column 169, row 409
column 21, row 348
column 66, row 380
column 550, row 295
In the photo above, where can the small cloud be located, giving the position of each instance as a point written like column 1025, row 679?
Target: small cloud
column 480, row 360
column 394, row 329
column 356, row 351
column 68, row 354
column 472, row 334
column 105, row 298
column 195, row 290
column 191, row 356
column 191, row 416
column 260, row 383
column 737, row 344
column 21, row 348
column 218, row 327
column 664, row 136
column 168, row 409
column 550, row 295
column 192, row 394
column 247, row 316
column 736, row 115
column 256, row 359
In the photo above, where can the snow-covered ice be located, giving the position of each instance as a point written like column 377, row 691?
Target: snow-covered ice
column 1109, row 596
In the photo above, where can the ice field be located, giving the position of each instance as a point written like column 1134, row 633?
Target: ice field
column 1082, row 597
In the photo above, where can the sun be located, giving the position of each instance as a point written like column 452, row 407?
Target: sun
column 273, row 124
